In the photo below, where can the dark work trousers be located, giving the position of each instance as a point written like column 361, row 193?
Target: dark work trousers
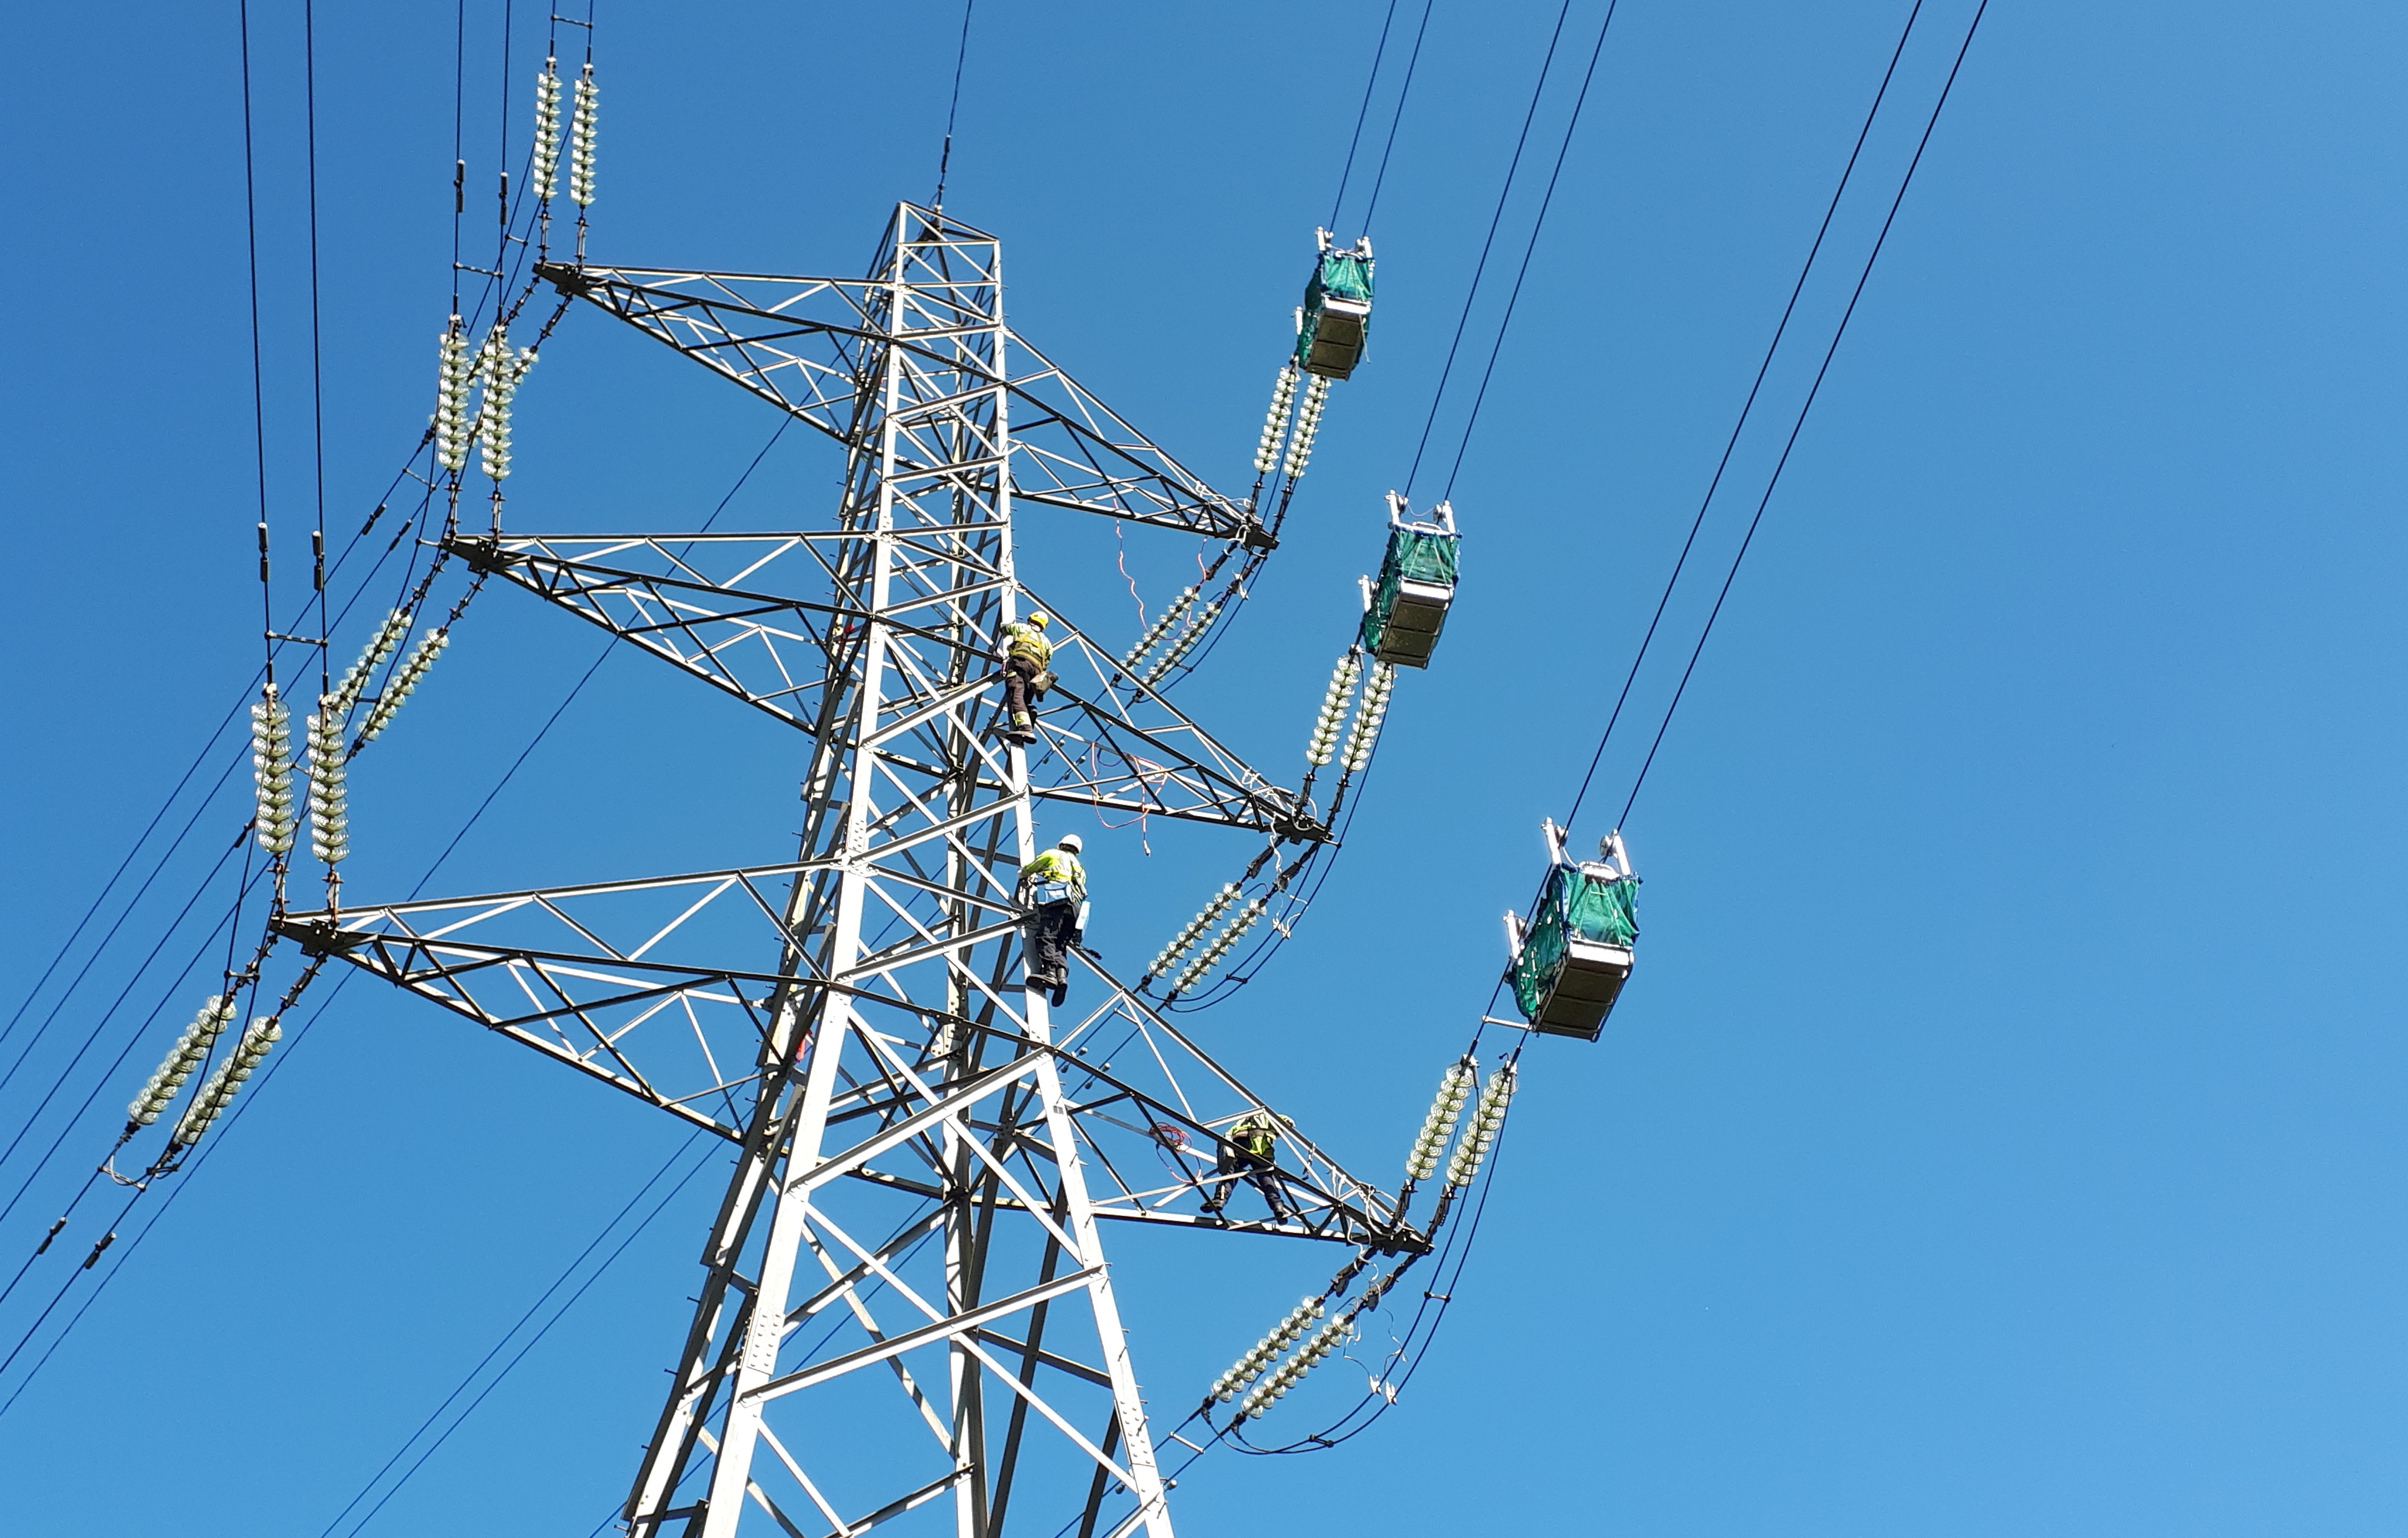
column 1050, row 930
column 1018, row 674
column 1233, row 1164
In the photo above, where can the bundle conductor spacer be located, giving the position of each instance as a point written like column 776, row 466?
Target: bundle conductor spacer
column 1186, row 938
column 584, row 118
column 1267, row 451
column 405, row 679
column 271, row 772
column 372, row 656
column 1454, row 1089
column 329, row 837
column 544, row 167
column 1487, row 1120
column 215, row 1096
column 1246, row 1368
column 178, row 1065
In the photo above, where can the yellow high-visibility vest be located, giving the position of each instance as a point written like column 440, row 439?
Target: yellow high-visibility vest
column 1025, row 640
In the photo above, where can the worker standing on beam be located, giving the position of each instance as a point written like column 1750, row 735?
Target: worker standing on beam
column 1028, row 657
column 1248, row 1152
column 1054, row 889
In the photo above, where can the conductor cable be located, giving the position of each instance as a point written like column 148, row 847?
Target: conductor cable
column 1807, row 405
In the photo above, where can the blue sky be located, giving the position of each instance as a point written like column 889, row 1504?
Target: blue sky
column 2003, row 1131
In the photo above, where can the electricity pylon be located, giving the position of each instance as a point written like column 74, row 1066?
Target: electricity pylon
column 924, row 1151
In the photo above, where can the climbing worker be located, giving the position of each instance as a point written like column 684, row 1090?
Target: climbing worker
column 1027, row 656
column 1247, row 1154
column 1054, row 889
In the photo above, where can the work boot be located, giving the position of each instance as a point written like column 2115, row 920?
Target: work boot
column 1061, row 992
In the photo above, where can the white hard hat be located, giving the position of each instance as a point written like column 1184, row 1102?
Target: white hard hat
column 1070, row 841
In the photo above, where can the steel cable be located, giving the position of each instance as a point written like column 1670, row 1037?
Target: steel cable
column 1807, row 405
column 1746, row 406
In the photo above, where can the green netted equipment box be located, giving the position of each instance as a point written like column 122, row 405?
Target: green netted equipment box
column 1416, row 587
column 1337, row 315
column 1576, row 954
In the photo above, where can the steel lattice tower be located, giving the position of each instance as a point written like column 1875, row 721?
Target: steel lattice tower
column 907, row 1307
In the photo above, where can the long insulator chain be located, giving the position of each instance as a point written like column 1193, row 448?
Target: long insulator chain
column 1186, row 938
column 1246, row 1368
column 1160, row 629
column 1439, row 1126
column 182, row 1059
column 330, row 820
column 1194, row 632
column 1267, row 451
column 215, row 1096
column 372, row 656
column 271, row 771
column 1328, row 1338
column 451, row 378
column 583, row 117
column 1322, row 743
column 1365, row 735
column 544, row 169
column 1307, row 423
column 1223, row 944
column 1487, row 1120
column 501, row 373
column 405, row 679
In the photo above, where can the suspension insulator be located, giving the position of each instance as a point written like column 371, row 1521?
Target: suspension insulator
column 330, row 836
column 1307, row 423
column 1365, row 735
column 215, row 1096
column 584, row 116
column 1328, row 1338
column 1246, row 1368
column 1158, row 629
column 1194, row 632
column 1446, row 1111
column 501, row 373
column 453, row 371
column 372, row 656
column 1334, row 700
column 1223, row 944
column 1267, row 451
column 1487, row 1120
column 544, row 169
column 182, row 1059
column 1185, row 939
column 405, row 679
column 271, row 772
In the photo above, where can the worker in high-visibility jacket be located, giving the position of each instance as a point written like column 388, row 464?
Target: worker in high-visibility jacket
column 1027, row 660
column 1054, row 889
column 1248, row 1152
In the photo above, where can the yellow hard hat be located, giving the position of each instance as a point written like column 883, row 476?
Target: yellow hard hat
column 1039, row 620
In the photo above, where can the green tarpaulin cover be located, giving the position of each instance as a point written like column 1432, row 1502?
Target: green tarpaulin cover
column 1347, row 278
column 1575, row 906
column 1426, row 556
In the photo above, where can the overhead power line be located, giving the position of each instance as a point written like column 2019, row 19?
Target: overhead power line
column 1807, row 405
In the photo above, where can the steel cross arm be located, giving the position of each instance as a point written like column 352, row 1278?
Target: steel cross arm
column 444, row 970
column 1069, row 450
column 1116, row 742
